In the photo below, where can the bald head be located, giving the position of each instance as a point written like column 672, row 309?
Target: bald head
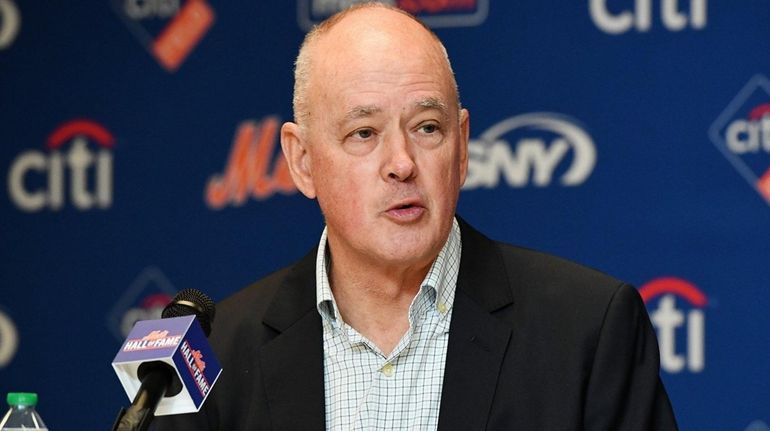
column 362, row 31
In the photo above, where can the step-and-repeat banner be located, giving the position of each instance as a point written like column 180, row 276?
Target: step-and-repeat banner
column 139, row 156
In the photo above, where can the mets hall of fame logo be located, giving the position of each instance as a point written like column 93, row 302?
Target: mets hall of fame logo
column 742, row 134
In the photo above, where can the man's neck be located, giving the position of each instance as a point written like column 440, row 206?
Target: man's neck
column 375, row 300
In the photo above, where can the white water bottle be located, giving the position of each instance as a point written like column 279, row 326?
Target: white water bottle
column 22, row 415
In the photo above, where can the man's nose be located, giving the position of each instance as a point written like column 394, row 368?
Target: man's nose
column 399, row 161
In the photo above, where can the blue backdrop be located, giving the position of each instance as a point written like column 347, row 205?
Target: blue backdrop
column 140, row 156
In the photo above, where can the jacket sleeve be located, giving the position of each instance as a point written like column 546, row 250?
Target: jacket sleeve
column 624, row 389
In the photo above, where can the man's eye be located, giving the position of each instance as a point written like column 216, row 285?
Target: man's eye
column 363, row 133
column 429, row 128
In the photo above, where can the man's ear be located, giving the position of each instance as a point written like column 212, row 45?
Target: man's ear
column 295, row 150
column 465, row 129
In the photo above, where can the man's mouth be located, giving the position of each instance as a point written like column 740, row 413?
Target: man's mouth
column 406, row 212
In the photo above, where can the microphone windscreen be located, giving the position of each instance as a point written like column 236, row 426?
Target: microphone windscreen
column 192, row 302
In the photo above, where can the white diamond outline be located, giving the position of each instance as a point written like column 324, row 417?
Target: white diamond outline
column 756, row 82
column 148, row 275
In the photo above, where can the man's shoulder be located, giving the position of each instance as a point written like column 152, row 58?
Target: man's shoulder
column 243, row 311
column 254, row 297
column 537, row 278
column 544, row 267
column 550, row 283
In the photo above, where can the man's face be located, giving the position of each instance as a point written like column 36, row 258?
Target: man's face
column 386, row 143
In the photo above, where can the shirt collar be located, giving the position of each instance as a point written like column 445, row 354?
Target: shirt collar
column 441, row 277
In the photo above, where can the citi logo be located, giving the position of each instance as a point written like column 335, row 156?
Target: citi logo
column 144, row 9
column 185, row 22
column 10, row 23
column 9, row 340
column 434, row 13
column 37, row 180
column 254, row 168
column 627, row 15
column 673, row 323
column 742, row 134
column 531, row 149
column 750, row 135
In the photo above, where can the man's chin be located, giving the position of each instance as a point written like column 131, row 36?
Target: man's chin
column 404, row 253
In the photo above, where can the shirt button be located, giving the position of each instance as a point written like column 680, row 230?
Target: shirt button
column 388, row 370
column 441, row 307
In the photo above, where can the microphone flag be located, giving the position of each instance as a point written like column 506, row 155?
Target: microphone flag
column 178, row 342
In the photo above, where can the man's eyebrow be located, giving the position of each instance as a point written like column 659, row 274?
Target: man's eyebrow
column 361, row 111
column 432, row 103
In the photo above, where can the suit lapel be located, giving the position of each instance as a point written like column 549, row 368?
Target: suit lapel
column 292, row 363
column 477, row 340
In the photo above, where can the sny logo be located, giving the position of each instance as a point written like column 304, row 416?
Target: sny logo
column 81, row 164
column 248, row 172
column 742, row 134
column 671, row 322
column 10, row 22
column 539, row 144
column 167, row 29
column 671, row 15
column 434, row 13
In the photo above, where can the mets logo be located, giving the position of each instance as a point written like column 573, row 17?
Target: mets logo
column 196, row 366
column 532, row 149
column 79, row 154
column 255, row 169
column 742, row 134
column 168, row 29
column 677, row 313
column 434, row 13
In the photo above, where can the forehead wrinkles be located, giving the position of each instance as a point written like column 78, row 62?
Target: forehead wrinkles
column 356, row 78
column 426, row 103
column 335, row 59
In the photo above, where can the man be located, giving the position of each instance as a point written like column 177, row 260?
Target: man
column 406, row 318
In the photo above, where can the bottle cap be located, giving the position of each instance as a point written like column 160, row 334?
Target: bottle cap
column 22, row 399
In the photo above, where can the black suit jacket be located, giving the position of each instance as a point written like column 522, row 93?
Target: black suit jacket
column 535, row 343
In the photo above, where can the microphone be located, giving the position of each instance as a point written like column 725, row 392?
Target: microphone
column 167, row 366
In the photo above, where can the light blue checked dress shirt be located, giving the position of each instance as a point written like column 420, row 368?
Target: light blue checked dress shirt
column 366, row 390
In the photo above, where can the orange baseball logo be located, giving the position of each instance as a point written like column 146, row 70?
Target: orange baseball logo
column 155, row 335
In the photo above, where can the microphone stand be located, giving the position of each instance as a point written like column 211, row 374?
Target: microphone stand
column 142, row 410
